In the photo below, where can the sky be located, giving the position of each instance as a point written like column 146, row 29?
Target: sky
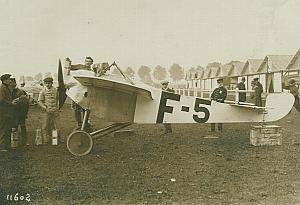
column 35, row 34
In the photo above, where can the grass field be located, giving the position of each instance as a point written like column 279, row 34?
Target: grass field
column 151, row 168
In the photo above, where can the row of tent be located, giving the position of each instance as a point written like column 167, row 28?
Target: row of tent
column 271, row 71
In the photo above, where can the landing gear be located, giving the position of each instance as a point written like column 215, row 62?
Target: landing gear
column 80, row 142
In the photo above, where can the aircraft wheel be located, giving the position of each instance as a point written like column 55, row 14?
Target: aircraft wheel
column 80, row 143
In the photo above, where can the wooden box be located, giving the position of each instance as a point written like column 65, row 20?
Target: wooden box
column 265, row 135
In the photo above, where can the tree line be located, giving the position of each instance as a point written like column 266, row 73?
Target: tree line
column 152, row 77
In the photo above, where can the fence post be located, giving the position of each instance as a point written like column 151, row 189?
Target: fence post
column 237, row 95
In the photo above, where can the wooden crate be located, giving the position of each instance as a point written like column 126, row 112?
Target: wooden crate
column 265, row 135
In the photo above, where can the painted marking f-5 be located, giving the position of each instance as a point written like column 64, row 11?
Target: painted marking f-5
column 163, row 108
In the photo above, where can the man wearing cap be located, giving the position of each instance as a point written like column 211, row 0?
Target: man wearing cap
column 20, row 110
column 241, row 86
column 78, row 110
column 48, row 100
column 165, row 83
column 6, row 112
column 258, row 89
column 294, row 90
column 219, row 94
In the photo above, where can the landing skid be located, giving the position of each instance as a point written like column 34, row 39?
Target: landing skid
column 80, row 142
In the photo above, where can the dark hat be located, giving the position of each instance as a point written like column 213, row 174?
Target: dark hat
column 5, row 77
column 292, row 81
column 220, row 80
column 164, row 82
column 90, row 58
column 48, row 79
column 243, row 78
column 255, row 79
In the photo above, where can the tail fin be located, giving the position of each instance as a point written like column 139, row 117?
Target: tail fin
column 280, row 105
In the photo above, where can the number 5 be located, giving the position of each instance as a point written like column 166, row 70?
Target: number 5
column 198, row 108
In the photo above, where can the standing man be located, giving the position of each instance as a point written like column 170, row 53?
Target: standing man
column 258, row 89
column 78, row 110
column 6, row 112
column 20, row 110
column 294, row 90
column 48, row 100
column 219, row 94
column 165, row 83
column 241, row 86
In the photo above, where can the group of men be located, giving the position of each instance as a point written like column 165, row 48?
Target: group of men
column 219, row 95
column 257, row 91
column 14, row 105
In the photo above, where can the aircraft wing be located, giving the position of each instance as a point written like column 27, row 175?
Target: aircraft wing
column 113, row 85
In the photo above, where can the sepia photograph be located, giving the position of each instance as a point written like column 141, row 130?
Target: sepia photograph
column 144, row 102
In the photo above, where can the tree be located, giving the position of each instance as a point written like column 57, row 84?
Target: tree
column 48, row 74
column 28, row 78
column 22, row 78
column 159, row 73
column 38, row 77
column 115, row 71
column 129, row 72
column 176, row 72
column 55, row 76
column 144, row 74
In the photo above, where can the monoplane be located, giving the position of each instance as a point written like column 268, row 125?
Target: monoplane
column 123, row 101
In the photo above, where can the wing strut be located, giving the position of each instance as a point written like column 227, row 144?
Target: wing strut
column 128, row 79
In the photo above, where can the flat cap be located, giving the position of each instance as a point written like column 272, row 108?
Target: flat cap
column 255, row 79
column 219, row 80
column 48, row 79
column 5, row 77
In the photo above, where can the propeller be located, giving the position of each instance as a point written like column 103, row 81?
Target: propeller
column 61, row 86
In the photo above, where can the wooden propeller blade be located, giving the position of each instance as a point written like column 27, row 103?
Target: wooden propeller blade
column 61, row 86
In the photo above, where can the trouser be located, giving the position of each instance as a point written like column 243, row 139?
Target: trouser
column 168, row 128
column 220, row 126
column 6, row 124
column 258, row 101
column 21, row 121
column 50, row 123
column 78, row 113
column 297, row 103
column 78, row 116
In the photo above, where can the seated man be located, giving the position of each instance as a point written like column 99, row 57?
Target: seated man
column 88, row 62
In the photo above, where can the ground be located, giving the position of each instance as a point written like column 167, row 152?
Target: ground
column 151, row 168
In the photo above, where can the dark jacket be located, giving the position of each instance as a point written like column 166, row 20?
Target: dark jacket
column 258, row 89
column 6, row 98
column 242, row 96
column 219, row 94
column 21, row 109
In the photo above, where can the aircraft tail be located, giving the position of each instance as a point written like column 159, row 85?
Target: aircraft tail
column 278, row 106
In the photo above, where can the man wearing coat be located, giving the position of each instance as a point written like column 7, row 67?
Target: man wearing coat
column 20, row 110
column 6, row 112
column 258, row 90
column 219, row 94
column 165, row 83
